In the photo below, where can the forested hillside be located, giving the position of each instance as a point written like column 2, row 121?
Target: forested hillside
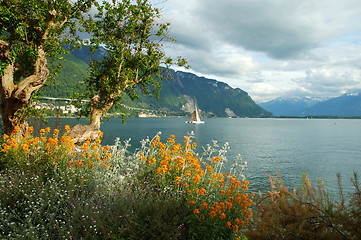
column 177, row 94
column 73, row 72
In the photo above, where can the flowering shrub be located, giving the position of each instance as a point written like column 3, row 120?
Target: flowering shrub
column 49, row 152
column 161, row 191
column 219, row 201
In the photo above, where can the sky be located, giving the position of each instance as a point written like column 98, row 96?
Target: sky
column 270, row 48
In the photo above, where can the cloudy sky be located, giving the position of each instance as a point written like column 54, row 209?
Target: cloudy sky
column 270, row 48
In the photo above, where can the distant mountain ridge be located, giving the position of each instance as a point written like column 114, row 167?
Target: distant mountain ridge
column 289, row 106
column 177, row 95
column 347, row 105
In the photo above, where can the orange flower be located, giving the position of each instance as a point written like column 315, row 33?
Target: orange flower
column 196, row 179
column 16, row 129
column 196, row 210
column 67, row 128
column 216, row 159
column 229, row 224
column 177, row 181
column 205, row 205
column 222, row 216
column 56, row 132
column 25, row 148
column 191, row 202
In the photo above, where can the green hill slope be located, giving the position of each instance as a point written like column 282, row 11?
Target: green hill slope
column 73, row 72
column 177, row 94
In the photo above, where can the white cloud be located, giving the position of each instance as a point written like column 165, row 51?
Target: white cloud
column 270, row 48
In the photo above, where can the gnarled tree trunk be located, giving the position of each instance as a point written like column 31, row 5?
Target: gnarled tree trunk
column 14, row 99
column 81, row 133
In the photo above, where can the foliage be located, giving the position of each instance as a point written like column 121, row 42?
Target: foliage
column 31, row 32
column 218, row 200
column 50, row 153
column 130, row 32
column 28, row 25
column 119, row 196
column 308, row 213
column 51, row 189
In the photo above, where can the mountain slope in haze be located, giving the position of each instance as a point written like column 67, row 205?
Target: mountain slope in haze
column 177, row 94
column 289, row 106
column 347, row 105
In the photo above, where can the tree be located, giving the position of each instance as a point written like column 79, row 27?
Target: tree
column 133, row 38
column 31, row 31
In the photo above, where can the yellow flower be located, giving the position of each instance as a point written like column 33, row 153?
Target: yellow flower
column 56, row 132
column 25, row 148
column 16, row 129
column 67, row 128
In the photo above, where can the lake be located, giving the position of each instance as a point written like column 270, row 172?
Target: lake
column 319, row 147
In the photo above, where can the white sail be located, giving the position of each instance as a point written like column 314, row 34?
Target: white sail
column 195, row 119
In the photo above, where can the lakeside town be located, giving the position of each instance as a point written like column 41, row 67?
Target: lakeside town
column 64, row 107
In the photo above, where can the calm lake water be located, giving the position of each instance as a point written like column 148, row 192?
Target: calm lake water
column 319, row 147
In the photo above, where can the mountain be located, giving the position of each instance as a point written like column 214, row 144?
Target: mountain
column 73, row 72
column 347, row 105
column 177, row 94
column 213, row 98
column 85, row 54
column 289, row 106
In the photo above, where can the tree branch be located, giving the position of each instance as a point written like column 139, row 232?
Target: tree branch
column 4, row 51
column 32, row 83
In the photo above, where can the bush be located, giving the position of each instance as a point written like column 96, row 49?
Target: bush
column 218, row 200
column 51, row 189
column 308, row 213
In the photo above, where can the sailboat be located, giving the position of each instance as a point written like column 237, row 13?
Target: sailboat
column 195, row 119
